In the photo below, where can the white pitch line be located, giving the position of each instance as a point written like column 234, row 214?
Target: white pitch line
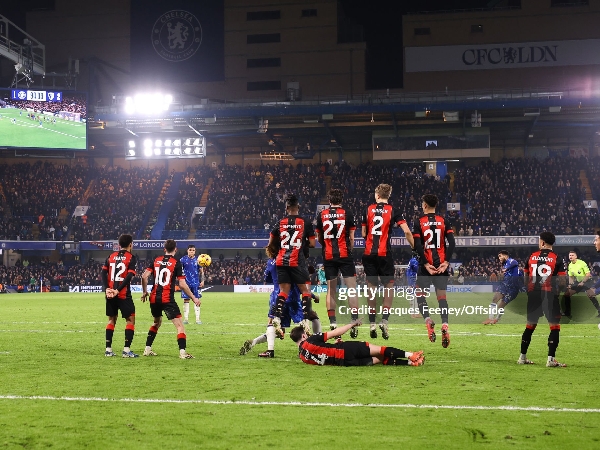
column 331, row 405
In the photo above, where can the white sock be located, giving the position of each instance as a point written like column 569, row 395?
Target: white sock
column 523, row 356
column 493, row 310
column 550, row 358
column 197, row 310
column 499, row 315
column 148, row 348
column 126, row 349
column 316, row 326
column 408, row 354
column 270, row 337
column 259, row 339
column 384, row 321
column 109, row 349
column 186, row 310
column 182, row 351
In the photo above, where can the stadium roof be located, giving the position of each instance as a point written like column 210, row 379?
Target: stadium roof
column 515, row 118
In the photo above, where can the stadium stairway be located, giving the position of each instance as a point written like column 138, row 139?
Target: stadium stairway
column 204, row 199
column 5, row 206
column 325, row 200
column 151, row 216
column 586, row 184
column 167, row 206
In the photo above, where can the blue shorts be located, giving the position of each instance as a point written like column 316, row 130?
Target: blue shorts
column 195, row 290
column 509, row 291
column 292, row 308
column 597, row 291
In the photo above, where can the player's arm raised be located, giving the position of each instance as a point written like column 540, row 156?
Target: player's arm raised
column 341, row 330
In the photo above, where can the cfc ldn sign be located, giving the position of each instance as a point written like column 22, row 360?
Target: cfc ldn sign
column 509, row 55
column 502, row 56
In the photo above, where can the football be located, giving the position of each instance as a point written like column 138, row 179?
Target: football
column 204, row 260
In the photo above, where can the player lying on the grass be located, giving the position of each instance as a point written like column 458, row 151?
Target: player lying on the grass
column 292, row 310
column 315, row 350
column 544, row 275
column 167, row 270
column 335, row 232
column 509, row 288
column 580, row 280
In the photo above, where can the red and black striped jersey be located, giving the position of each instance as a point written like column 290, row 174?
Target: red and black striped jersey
column 543, row 269
column 117, row 266
column 335, row 224
column 166, row 270
column 432, row 230
column 291, row 233
column 316, row 350
column 379, row 220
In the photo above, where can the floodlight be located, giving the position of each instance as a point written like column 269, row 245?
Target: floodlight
column 148, row 151
column 158, row 143
column 131, row 144
column 168, row 151
column 157, row 151
column 167, row 142
column 177, row 151
column 177, row 142
column 131, row 152
column 147, row 143
column 187, row 150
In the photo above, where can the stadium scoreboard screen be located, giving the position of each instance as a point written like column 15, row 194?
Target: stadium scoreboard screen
column 43, row 119
column 36, row 96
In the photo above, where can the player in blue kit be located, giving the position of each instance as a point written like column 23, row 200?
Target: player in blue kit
column 194, row 277
column 292, row 311
column 411, row 281
column 509, row 288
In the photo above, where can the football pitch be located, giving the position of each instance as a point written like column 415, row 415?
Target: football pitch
column 27, row 133
column 58, row 390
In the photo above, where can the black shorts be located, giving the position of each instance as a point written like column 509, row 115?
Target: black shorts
column 336, row 265
column 357, row 353
column 378, row 266
column 425, row 279
column 171, row 310
column 543, row 303
column 125, row 305
column 292, row 275
column 577, row 289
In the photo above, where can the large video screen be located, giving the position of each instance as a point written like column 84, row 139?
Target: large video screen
column 43, row 119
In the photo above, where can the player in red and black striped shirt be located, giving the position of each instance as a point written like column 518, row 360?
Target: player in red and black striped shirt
column 117, row 272
column 431, row 232
column 544, row 272
column 288, row 238
column 335, row 233
column 166, row 270
column 315, row 350
column 377, row 259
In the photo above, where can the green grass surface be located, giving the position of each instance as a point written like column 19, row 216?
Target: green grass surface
column 52, row 345
column 26, row 133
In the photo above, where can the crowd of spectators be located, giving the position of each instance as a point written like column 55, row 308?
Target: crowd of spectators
column 36, row 194
column 121, row 200
column 509, row 197
column 409, row 182
column 254, row 197
column 523, row 197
